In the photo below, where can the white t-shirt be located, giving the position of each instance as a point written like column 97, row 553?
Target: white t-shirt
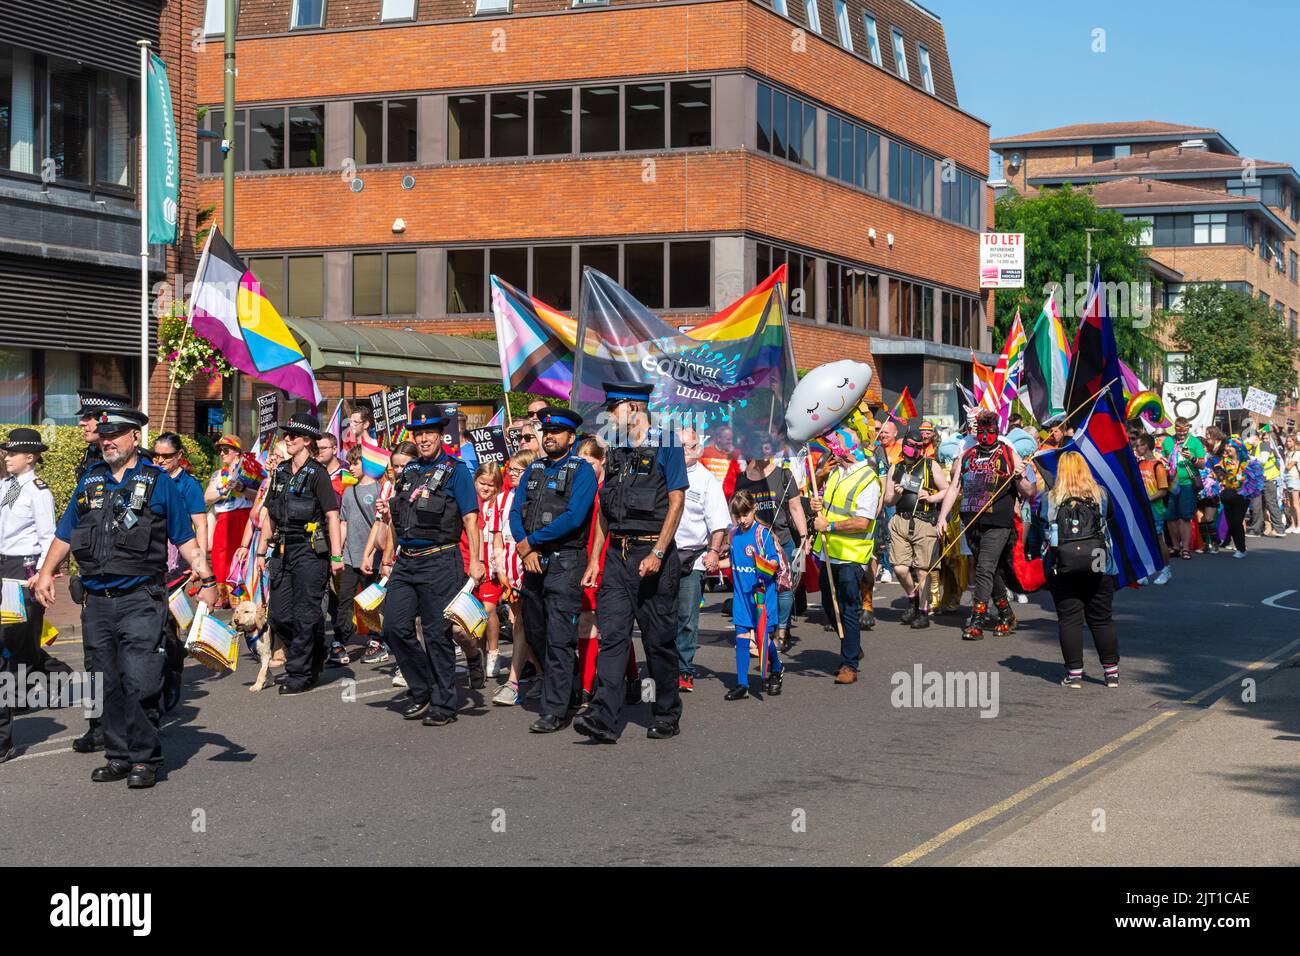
column 705, row 511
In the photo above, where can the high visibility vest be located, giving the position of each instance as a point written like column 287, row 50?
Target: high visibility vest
column 838, row 499
column 1269, row 461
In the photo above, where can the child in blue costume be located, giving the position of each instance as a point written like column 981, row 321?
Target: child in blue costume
column 751, row 537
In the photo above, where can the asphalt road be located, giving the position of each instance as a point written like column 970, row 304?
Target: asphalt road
column 823, row 774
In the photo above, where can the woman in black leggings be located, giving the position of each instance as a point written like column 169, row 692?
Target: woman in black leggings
column 1235, row 475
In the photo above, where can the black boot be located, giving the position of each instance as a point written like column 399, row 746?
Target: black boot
column 773, row 686
column 974, row 629
column 92, row 741
column 1006, row 622
column 913, row 609
column 922, row 621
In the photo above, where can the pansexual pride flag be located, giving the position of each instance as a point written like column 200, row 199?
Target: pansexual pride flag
column 229, row 309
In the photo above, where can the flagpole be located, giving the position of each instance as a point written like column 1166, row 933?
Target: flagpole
column 144, row 233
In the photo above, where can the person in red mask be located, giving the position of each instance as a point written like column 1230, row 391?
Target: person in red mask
column 988, row 477
column 915, row 488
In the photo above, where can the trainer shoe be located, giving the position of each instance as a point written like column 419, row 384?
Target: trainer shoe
column 1164, row 576
column 493, row 664
column 338, row 656
column 398, row 679
column 1073, row 682
column 508, row 695
column 1239, row 554
column 685, row 683
column 376, row 653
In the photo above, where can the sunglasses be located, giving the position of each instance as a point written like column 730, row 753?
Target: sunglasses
column 166, row 456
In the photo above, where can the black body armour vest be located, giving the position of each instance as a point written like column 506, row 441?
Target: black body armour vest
column 118, row 534
column 916, row 481
column 291, row 501
column 634, row 498
column 548, row 498
column 423, row 506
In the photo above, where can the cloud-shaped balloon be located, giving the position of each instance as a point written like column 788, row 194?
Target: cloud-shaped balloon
column 825, row 397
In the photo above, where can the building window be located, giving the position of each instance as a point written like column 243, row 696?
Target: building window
column 1172, row 296
column 688, row 275
column 306, row 286
column 590, row 3
column 306, row 137
column 20, row 106
column 842, row 22
column 780, row 7
column 214, row 17
column 787, row 127
column 552, row 276
column 959, row 316
column 113, row 130
column 1239, row 187
column 371, row 146
column 801, row 277
column 852, row 154
column 598, row 131
column 851, row 296
column 961, row 199
column 466, row 127
column 601, row 258
column 508, row 130
column 1290, row 325
column 307, row 13
column 552, row 121
column 913, row 307
column 492, row 6
column 900, row 54
column 927, row 78
column 644, row 116
column 510, row 263
column 1175, row 367
column 873, row 38
column 1295, row 273
column 643, row 272
column 1209, row 227
column 814, row 20
column 398, row 10
column 466, row 282
column 1102, row 153
column 911, row 177
column 17, row 386
column 692, row 114
column 1147, row 238
column 383, row 283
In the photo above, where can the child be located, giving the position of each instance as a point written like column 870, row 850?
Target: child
column 1155, row 477
column 487, row 483
column 753, row 545
column 511, row 571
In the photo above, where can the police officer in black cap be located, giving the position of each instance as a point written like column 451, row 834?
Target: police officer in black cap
column 640, row 506
column 304, row 546
column 92, row 404
column 550, row 521
column 433, row 503
column 118, row 523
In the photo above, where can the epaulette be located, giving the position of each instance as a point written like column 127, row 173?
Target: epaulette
column 40, row 483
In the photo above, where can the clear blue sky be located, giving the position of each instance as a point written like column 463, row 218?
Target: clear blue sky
column 1229, row 66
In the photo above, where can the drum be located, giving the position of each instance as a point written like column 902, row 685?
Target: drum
column 212, row 642
column 467, row 611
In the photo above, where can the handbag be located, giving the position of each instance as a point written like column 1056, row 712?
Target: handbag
column 784, row 577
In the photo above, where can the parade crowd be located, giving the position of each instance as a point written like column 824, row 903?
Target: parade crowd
column 580, row 535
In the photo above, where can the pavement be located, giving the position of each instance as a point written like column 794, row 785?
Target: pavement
column 823, row 774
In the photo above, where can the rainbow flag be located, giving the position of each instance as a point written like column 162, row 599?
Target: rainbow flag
column 1006, row 376
column 536, row 343
column 766, row 568
column 374, row 459
column 987, row 395
column 744, row 317
column 904, row 408
column 229, row 309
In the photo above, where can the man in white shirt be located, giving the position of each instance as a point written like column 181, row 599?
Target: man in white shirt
column 699, row 538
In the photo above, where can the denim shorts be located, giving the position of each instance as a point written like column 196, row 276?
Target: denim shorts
column 1181, row 504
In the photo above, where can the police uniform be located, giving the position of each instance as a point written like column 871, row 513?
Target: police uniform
column 92, row 404
column 429, row 504
column 298, row 560
column 634, row 502
column 118, row 531
column 26, row 530
column 552, row 511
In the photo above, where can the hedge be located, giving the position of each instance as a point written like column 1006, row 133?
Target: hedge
column 59, row 465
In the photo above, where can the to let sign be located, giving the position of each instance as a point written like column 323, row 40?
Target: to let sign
column 1002, row 260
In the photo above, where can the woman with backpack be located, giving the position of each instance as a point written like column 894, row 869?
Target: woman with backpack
column 754, row 606
column 1080, row 574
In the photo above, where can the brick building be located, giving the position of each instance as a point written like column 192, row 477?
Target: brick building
column 1211, row 214
column 392, row 154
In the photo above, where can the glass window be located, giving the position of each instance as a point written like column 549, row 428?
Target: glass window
column 900, row 54
column 692, row 113
column 814, row 21
column 779, row 108
column 643, row 272
column 214, row 17
column 859, row 157
column 509, row 124
column 780, row 7
column 214, row 158
column 19, row 108
column 833, row 146
column 307, row 13
column 367, row 288
column 465, row 281
column 598, row 131
column 552, row 122
column 62, row 379
column 803, row 278
column 492, row 6
column 1209, row 227
column 643, row 116
column 1111, row 151
column 368, row 133
column 17, row 386
column 510, row 264
column 688, row 275
column 269, row 272
column 808, row 151
column 306, row 286
column 552, row 280
column 842, row 23
column 401, row 283
column 266, row 138
column 306, row 137
column 398, row 10
column 763, row 139
column 113, row 130
column 927, row 78
column 794, row 131
column 68, row 120
column 466, row 127
column 873, row 162
column 873, row 38
column 601, row 258
column 403, row 131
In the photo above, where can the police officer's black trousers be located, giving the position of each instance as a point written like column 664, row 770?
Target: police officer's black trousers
column 298, row 577
column 423, row 587
column 625, row 596
column 124, row 636
column 552, row 601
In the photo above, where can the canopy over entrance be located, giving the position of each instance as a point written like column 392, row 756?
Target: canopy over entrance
column 383, row 356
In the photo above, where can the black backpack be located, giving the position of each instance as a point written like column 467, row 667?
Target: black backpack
column 1080, row 536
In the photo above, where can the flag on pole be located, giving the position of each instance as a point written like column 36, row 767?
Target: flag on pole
column 1095, row 364
column 335, row 425
column 1103, row 442
column 1007, row 373
column 536, row 343
column 374, row 459
column 904, row 408
column 1043, row 368
column 987, row 395
column 229, row 309
column 163, row 175
column 498, row 420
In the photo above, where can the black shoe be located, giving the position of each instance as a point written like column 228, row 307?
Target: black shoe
column 589, row 726
column 438, row 720
column 288, row 690
column 548, row 724
column 7, row 755
column 663, row 729
column 868, row 620
column 477, row 671
column 142, row 777
column 739, row 692
column 773, row 686
column 632, row 691
column 415, row 711
column 922, row 621
column 89, row 743
column 112, row 771
column 913, row 609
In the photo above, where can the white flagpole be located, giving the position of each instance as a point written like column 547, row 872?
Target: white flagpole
column 144, row 233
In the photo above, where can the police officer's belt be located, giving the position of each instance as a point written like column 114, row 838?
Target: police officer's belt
column 615, row 536
column 425, row 552
column 120, row 592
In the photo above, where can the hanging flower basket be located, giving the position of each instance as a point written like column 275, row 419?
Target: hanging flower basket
column 189, row 354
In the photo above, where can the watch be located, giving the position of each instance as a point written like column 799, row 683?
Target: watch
column 657, row 553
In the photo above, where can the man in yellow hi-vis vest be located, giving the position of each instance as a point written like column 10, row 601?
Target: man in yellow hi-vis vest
column 845, row 519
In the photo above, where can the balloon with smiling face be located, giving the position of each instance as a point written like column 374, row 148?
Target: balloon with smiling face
column 825, row 397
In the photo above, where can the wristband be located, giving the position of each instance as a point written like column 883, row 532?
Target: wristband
column 208, row 582
column 715, row 551
column 261, row 554
column 830, row 527
column 336, row 559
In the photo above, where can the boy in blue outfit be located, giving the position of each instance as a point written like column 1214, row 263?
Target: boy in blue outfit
column 754, row 560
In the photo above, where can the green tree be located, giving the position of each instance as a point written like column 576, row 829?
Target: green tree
column 1237, row 339
column 1055, row 225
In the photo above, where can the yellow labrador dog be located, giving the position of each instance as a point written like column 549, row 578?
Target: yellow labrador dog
column 250, row 618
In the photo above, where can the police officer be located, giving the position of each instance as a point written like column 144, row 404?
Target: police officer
column 26, row 531
column 551, row 520
column 118, row 523
column 302, row 547
column 640, row 506
column 92, row 404
column 433, row 503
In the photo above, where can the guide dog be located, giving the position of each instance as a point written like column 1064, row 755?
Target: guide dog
column 250, row 619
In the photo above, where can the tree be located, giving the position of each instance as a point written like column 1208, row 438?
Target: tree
column 1237, row 339
column 1055, row 225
